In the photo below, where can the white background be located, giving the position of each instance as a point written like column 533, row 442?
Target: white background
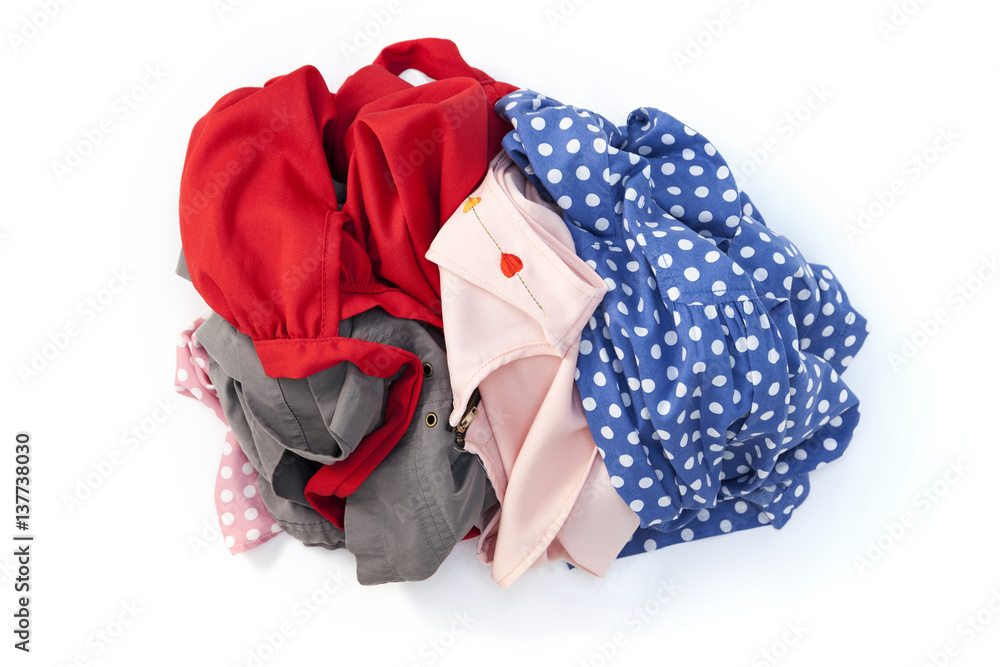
column 138, row 538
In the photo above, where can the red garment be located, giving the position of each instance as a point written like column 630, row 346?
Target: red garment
column 269, row 249
column 413, row 153
column 259, row 220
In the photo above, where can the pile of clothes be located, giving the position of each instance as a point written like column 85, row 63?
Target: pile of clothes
column 465, row 310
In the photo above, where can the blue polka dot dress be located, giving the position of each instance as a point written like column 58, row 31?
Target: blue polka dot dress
column 710, row 373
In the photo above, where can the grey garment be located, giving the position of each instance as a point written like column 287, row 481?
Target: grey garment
column 295, row 517
column 296, row 425
column 182, row 267
column 301, row 521
column 404, row 520
column 421, row 500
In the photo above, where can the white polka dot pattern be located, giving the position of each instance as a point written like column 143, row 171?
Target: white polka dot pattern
column 710, row 372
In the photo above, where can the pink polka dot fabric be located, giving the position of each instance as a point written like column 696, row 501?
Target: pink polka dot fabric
column 245, row 521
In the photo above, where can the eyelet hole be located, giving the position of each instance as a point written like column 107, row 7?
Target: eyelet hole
column 428, row 370
column 431, row 420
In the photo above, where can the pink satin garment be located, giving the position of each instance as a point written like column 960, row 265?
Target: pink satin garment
column 244, row 520
column 515, row 299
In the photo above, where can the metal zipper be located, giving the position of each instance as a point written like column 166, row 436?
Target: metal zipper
column 471, row 410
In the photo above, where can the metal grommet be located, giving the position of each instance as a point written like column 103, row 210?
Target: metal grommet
column 428, row 370
column 388, row 387
column 431, row 420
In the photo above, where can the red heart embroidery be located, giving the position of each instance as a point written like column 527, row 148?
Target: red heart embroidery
column 510, row 264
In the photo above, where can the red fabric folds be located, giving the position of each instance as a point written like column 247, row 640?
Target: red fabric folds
column 272, row 251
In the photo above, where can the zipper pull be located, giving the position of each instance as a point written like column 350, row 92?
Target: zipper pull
column 471, row 410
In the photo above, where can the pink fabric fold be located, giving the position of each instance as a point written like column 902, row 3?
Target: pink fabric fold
column 515, row 299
